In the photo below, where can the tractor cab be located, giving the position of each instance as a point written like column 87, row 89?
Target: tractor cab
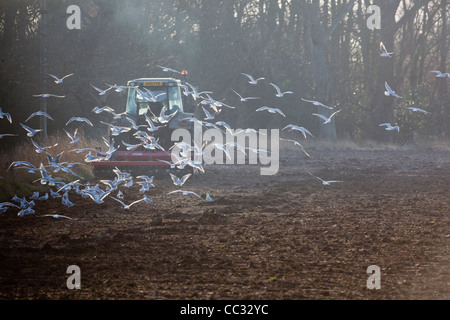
column 148, row 98
column 152, row 96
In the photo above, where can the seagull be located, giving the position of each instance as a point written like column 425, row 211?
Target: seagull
column 163, row 118
column 224, row 124
column 166, row 69
column 133, row 123
column 172, row 165
column 97, row 194
column 35, row 195
column 46, row 178
column 418, row 110
column 21, row 163
column 65, row 200
column 130, row 146
column 145, row 186
column 80, row 119
column 39, row 113
column 43, row 198
column 194, row 92
column 57, row 216
column 297, row 128
column 279, row 93
column 147, row 199
column 40, row 149
column 59, row 80
column 389, row 91
column 252, row 80
column 390, row 127
column 439, row 74
column 245, row 99
column 324, row 182
column 208, row 115
column 384, row 52
column 54, row 194
column 31, row 132
column 101, row 92
column 125, row 206
column 195, row 164
column 7, row 135
column 82, row 150
column 119, row 88
column 74, row 137
column 147, row 179
column 151, row 126
column 271, row 110
column 26, row 211
column 47, row 95
column 148, row 95
column 115, row 130
column 179, row 182
column 185, row 193
column 317, row 103
column 8, row 204
column 54, row 161
column 326, row 120
column 7, row 115
column 297, row 144
column 98, row 110
column 248, row 130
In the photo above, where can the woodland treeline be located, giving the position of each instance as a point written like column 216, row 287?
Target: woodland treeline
column 320, row 50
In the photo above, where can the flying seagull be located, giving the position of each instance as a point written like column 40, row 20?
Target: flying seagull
column 166, row 69
column 317, row 103
column 31, row 132
column 80, row 119
column 279, row 93
column 179, row 182
column 56, row 216
column 98, row 110
column 40, row 149
column 47, row 95
column 297, row 128
column 384, row 52
column 271, row 110
column 100, row 91
column 418, row 110
column 326, row 120
column 245, row 99
column 7, row 135
column 208, row 115
column 252, row 80
column 390, row 127
column 5, row 114
column 39, row 113
column 73, row 137
column 440, row 74
column 59, row 80
column 125, row 206
column 298, row 144
column 324, row 182
column 185, row 193
column 389, row 91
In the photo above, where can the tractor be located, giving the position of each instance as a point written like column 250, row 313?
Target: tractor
column 147, row 98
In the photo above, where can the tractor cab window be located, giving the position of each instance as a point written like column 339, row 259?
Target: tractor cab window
column 153, row 99
column 175, row 103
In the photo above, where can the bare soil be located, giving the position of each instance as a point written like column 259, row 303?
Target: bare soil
column 282, row 237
